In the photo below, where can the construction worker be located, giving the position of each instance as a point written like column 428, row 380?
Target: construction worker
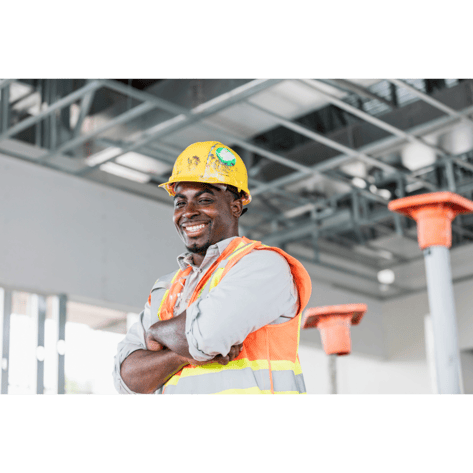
column 228, row 321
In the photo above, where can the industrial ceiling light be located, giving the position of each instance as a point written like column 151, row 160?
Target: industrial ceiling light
column 359, row 182
column 102, row 156
column 18, row 90
column 124, row 172
column 416, row 155
column 386, row 276
column 296, row 212
column 384, row 193
column 144, row 163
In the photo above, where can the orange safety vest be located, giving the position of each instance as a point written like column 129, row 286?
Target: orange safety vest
column 269, row 362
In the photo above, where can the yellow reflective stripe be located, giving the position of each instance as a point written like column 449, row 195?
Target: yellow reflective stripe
column 166, row 295
column 217, row 275
column 238, row 247
column 276, row 365
column 239, row 250
column 299, row 330
column 162, row 302
column 254, row 390
column 216, row 278
column 217, row 367
column 286, row 365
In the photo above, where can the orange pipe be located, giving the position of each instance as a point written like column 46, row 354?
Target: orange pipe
column 334, row 323
column 434, row 213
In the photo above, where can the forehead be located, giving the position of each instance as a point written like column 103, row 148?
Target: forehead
column 189, row 188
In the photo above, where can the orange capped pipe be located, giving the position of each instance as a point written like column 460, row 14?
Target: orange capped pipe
column 433, row 213
column 334, row 323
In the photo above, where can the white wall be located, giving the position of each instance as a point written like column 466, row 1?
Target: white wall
column 357, row 374
column 62, row 234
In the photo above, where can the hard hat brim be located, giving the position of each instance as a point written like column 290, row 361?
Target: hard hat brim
column 169, row 186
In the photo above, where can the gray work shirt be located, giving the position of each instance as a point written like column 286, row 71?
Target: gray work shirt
column 259, row 290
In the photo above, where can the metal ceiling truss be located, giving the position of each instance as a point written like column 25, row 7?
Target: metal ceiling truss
column 351, row 218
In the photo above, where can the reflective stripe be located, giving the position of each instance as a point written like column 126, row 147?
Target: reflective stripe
column 217, row 368
column 215, row 378
column 239, row 246
column 282, row 365
column 239, row 364
column 166, row 294
column 286, row 381
column 212, row 383
column 162, row 302
column 217, row 275
column 223, row 380
column 254, row 390
column 216, row 278
column 299, row 330
column 239, row 249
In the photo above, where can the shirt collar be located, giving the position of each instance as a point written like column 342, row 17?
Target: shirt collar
column 213, row 252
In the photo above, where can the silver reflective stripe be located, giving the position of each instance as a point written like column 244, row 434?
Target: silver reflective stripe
column 287, row 381
column 220, row 381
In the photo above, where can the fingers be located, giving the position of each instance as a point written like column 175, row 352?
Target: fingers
column 235, row 351
column 223, row 360
column 154, row 345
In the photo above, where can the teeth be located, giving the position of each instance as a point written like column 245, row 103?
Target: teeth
column 195, row 228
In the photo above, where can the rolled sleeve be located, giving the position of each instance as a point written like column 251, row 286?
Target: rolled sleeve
column 255, row 292
column 135, row 340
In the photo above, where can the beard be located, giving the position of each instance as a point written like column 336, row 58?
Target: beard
column 199, row 249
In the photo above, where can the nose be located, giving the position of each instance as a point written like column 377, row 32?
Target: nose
column 190, row 211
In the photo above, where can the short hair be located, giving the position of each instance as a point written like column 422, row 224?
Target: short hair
column 236, row 193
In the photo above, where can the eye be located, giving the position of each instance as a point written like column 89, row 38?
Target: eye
column 205, row 201
column 179, row 204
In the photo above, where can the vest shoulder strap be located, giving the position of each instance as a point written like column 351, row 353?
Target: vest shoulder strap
column 299, row 273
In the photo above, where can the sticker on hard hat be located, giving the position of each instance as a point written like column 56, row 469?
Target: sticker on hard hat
column 226, row 156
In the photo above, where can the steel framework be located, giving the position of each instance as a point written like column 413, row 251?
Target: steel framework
column 294, row 206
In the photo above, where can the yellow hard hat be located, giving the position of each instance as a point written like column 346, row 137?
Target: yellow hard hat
column 211, row 162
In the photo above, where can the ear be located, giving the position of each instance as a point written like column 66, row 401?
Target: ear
column 236, row 207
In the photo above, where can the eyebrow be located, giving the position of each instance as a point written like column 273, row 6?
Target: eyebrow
column 203, row 191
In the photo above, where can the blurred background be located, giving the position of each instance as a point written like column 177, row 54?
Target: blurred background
column 85, row 230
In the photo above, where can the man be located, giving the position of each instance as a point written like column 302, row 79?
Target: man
column 228, row 320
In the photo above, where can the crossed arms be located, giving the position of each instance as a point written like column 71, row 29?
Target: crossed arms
column 144, row 371
column 257, row 291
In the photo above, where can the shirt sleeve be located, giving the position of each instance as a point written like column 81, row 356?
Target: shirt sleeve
column 256, row 292
column 134, row 340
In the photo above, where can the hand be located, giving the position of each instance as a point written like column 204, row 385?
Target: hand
column 151, row 343
column 235, row 350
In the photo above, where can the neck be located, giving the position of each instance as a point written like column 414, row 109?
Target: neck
column 198, row 258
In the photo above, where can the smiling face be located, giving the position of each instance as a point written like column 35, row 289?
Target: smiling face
column 204, row 215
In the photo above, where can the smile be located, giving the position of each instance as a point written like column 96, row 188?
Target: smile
column 194, row 229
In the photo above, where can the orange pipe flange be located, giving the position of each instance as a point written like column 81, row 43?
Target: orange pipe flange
column 334, row 322
column 433, row 213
